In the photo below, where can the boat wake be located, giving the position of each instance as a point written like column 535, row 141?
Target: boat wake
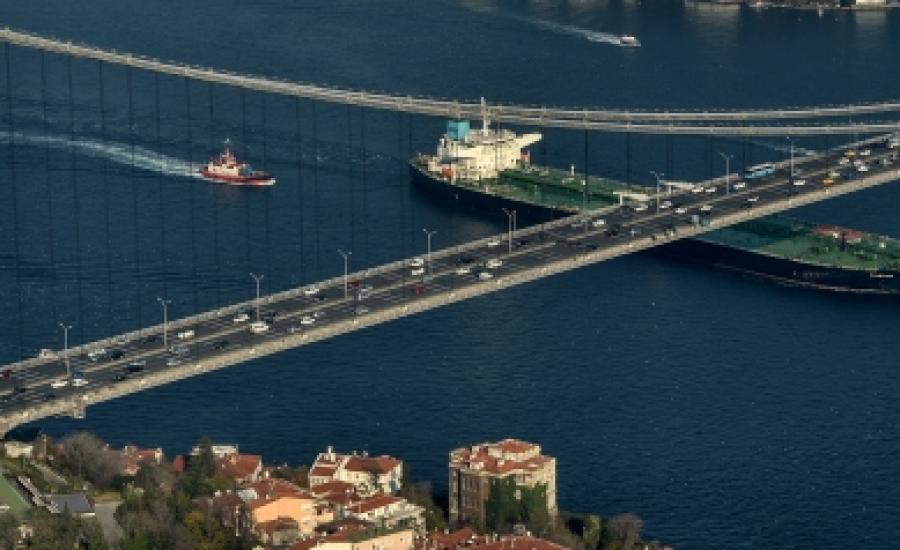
column 119, row 153
column 571, row 30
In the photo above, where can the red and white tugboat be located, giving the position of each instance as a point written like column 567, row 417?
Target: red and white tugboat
column 227, row 169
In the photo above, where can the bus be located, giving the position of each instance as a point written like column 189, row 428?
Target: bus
column 759, row 171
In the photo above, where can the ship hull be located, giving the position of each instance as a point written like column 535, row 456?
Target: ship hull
column 257, row 180
column 781, row 270
column 473, row 201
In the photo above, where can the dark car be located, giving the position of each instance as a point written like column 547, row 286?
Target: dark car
column 135, row 367
column 116, row 354
column 119, row 377
column 221, row 344
column 465, row 260
column 48, row 396
column 6, row 373
column 418, row 289
column 152, row 339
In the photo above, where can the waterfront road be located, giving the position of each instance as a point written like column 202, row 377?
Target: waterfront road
column 467, row 270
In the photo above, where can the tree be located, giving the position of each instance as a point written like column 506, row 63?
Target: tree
column 502, row 509
column 534, row 511
column 590, row 531
column 622, row 532
column 420, row 495
column 85, row 455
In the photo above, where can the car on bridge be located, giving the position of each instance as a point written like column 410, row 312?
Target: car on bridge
column 185, row 334
column 485, row 275
column 221, row 345
column 307, row 320
column 463, row 270
column 493, row 242
column 241, row 318
column 416, row 262
column 59, row 383
column 259, row 327
column 361, row 310
column 417, row 271
column 97, row 354
column 493, row 263
column 739, row 185
column 79, row 381
column 310, row 291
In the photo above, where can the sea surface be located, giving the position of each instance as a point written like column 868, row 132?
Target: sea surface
column 726, row 412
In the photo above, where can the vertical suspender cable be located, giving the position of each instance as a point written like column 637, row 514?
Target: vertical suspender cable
column 14, row 195
column 134, row 200
column 315, row 142
column 76, row 201
column 245, row 196
column 268, row 204
column 586, row 171
column 298, row 137
column 365, row 198
column 48, row 185
column 350, row 186
column 218, row 273
column 105, row 178
column 159, row 182
column 192, row 212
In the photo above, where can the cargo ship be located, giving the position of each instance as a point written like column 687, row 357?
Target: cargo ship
column 226, row 168
column 484, row 170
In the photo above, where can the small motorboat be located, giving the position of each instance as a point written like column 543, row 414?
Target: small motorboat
column 629, row 40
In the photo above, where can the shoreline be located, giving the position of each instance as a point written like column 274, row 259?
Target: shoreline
column 803, row 7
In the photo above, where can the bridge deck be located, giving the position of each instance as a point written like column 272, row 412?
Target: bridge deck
column 731, row 123
column 531, row 254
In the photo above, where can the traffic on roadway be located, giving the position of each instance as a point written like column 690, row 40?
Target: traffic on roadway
column 661, row 219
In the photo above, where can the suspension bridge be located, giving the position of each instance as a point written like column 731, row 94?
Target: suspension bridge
column 318, row 310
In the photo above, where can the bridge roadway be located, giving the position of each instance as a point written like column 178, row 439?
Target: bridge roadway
column 536, row 252
column 606, row 120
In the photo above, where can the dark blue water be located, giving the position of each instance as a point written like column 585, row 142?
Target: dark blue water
column 724, row 411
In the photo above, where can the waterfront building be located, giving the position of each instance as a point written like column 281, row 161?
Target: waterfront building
column 368, row 474
column 472, row 469
column 133, row 457
column 357, row 535
column 466, row 538
column 388, row 511
column 279, row 499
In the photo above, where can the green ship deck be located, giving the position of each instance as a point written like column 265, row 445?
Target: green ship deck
column 824, row 245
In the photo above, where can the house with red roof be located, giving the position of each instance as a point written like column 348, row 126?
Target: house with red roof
column 466, row 538
column 388, row 511
column 369, row 474
column 131, row 458
column 241, row 468
column 355, row 535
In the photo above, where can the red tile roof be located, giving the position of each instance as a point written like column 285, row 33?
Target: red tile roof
column 372, row 464
column 322, row 471
column 306, row 544
column 240, row 466
column 373, row 502
column 514, row 446
column 485, row 456
column 275, row 487
column 437, row 540
column 466, row 538
column 179, row 464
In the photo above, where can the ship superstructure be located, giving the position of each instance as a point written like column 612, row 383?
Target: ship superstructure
column 464, row 154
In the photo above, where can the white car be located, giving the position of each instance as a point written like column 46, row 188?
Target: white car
column 681, row 210
column 307, row 320
column 706, row 208
column 173, row 362
column 416, row 262
column 697, row 189
column 47, row 354
column 79, row 381
column 293, row 329
column 121, row 340
column 493, row 263
column 739, row 185
column 241, row 318
column 844, row 161
column 310, row 291
column 485, row 275
column 97, row 354
column 865, row 152
column 259, row 327
column 59, row 383
column 711, row 189
column 417, row 271
column 463, row 270
column 863, row 167
column 799, row 183
column 185, row 334
column 493, row 242
column 599, row 222
column 753, row 199
column 834, row 174
column 640, row 207
column 665, row 205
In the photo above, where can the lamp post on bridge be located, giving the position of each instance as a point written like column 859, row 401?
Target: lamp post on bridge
column 66, row 348
column 165, row 309
column 429, row 234
column 791, row 141
column 511, row 219
column 346, row 256
column 659, row 178
column 727, row 159
column 258, row 279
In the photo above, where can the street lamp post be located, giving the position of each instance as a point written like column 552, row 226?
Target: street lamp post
column 346, row 256
column 659, row 178
column 258, row 279
column 66, row 347
column 511, row 220
column 429, row 234
column 165, row 308
column 791, row 141
column 727, row 159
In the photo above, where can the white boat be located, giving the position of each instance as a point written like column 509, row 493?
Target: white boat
column 629, row 40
